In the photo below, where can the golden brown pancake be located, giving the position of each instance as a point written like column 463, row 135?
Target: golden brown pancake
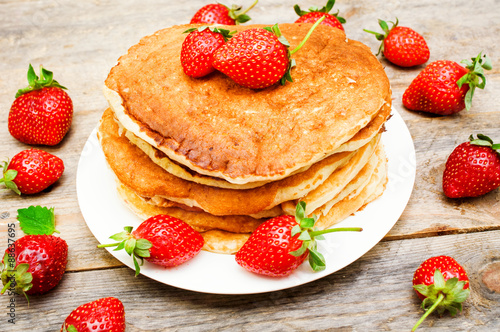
column 356, row 200
column 217, row 240
column 136, row 170
column 217, row 128
column 357, row 141
column 340, row 184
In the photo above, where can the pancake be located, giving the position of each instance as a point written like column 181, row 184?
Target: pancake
column 339, row 185
column 216, row 128
column 226, row 235
column 136, row 170
column 356, row 200
column 216, row 240
column 161, row 159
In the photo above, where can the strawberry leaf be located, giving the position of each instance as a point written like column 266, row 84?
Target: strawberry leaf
column 475, row 78
column 438, row 280
column 36, row 83
column 8, row 177
column 316, row 260
column 37, row 220
column 239, row 15
column 71, row 328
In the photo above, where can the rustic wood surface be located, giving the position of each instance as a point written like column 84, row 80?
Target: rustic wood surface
column 81, row 40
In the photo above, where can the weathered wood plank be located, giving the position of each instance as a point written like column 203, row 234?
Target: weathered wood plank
column 81, row 41
column 374, row 293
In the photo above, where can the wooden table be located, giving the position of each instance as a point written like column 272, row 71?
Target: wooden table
column 81, row 41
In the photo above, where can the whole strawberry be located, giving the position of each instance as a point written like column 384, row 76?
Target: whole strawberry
column 316, row 13
column 38, row 264
column 445, row 87
column 31, row 171
column 402, row 46
column 258, row 58
column 35, row 263
column 42, row 112
column 161, row 240
column 198, row 50
column 472, row 169
column 102, row 315
column 281, row 244
column 221, row 14
column 442, row 284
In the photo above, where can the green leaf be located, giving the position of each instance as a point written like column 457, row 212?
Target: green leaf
column 295, row 230
column 462, row 296
column 300, row 211
column 485, row 138
column 307, row 222
column 304, row 236
column 438, row 280
column 130, row 246
column 299, row 251
column 384, row 26
column 71, row 328
column 143, row 244
column 120, row 236
column 120, row 246
column 316, row 260
column 142, row 253
column 37, row 220
column 136, row 265
column 451, row 283
column 422, row 289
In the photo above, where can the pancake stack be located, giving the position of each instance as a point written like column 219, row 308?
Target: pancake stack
column 224, row 158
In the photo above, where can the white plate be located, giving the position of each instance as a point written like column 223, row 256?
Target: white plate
column 105, row 214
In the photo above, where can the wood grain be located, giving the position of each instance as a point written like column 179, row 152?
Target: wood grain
column 81, row 41
column 374, row 293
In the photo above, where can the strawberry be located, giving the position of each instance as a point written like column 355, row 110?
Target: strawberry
column 316, row 13
column 257, row 58
column 42, row 112
column 161, row 240
column 281, row 244
column 31, row 171
column 402, row 46
column 442, row 284
column 36, row 262
column 102, row 315
column 198, row 49
column 444, row 87
column 472, row 169
column 221, row 14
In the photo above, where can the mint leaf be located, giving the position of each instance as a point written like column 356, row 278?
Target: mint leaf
column 37, row 220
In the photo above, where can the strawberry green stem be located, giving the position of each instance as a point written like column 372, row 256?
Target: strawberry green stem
column 7, row 285
column 429, row 311
column 331, row 230
column 246, row 10
column 108, row 245
column 307, row 36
